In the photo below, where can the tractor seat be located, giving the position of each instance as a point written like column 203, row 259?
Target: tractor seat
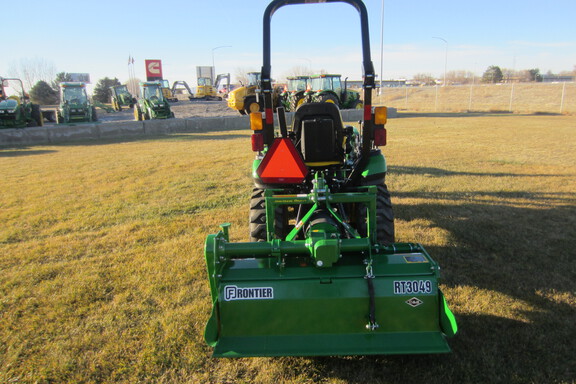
column 319, row 134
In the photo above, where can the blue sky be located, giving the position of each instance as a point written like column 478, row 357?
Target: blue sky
column 98, row 36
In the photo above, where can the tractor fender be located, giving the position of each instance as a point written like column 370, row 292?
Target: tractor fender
column 376, row 168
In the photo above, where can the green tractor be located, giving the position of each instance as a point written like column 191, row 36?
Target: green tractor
column 75, row 107
column 322, row 273
column 152, row 104
column 328, row 89
column 293, row 94
column 121, row 97
column 17, row 111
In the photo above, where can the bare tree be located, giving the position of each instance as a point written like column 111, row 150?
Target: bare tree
column 133, row 86
column 298, row 70
column 30, row 71
column 241, row 76
column 424, row 79
column 459, row 77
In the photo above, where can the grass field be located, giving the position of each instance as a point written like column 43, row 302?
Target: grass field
column 101, row 254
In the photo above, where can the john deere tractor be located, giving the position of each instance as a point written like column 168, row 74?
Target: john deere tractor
column 322, row 273
column 75, row 107
column 121, row 97
column 17, row 111
column 293, row 95
column 329, row 89
column 152, row 104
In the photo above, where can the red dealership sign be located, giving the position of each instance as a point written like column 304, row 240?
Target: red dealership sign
column 153, row 70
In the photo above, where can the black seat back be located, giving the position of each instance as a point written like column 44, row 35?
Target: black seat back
column 318, row 131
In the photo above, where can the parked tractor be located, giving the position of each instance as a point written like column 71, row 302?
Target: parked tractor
column 75, row 107
column 17, row 111
column 152, row 104
column 328, row 89
column 247, row 99
column 121, row 97
column 322, row 273
column 293, row 95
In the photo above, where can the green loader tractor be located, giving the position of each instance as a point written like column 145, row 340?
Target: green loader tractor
column 294, row 93
column 322, row 273
column 121, row 97
column 17, row 111
column 75, row 107
column 152, row 104
column 328, row 89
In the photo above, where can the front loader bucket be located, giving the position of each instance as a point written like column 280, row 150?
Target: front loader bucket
column 269, row 300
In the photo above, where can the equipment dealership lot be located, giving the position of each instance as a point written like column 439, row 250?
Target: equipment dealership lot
column 103, row 275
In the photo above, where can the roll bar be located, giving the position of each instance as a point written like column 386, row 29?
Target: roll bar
column 368, row 75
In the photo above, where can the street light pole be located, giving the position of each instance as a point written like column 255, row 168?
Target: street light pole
column 213, row 49
column 381, row 48
column 445, row 58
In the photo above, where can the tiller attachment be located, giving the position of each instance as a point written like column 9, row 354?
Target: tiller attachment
column 326, row 294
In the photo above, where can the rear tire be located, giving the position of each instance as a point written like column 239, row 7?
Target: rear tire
column 37, row 115
column 137, row 113
column 357, row 104
column 384, row 217
column 258, row 217
column 295, row 102
column 251, row 105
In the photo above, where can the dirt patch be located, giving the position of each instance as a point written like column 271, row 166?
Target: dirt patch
column 182, row 109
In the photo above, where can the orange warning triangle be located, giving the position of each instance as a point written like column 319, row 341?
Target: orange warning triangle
column 282, row 164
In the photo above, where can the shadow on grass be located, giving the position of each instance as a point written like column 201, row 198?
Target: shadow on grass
column 518, row 256
column 191, row 136
column 23, row 152
column 438, row 172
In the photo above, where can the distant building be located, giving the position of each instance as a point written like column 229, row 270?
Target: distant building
column 385, row 83
column 558, row 79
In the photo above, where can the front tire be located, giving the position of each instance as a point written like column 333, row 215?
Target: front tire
column 328, row 98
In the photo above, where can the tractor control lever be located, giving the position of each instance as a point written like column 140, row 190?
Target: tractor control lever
column 282, row 121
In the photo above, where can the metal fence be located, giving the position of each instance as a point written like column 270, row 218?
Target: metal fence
column 515, row 97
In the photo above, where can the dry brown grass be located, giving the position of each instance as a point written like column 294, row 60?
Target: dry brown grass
column 516, row 98
column 102, row 273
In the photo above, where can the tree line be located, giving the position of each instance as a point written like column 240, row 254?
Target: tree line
column 45, row 93
column 492, row 75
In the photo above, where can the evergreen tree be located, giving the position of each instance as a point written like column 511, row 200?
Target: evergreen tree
column 102, row 92
column 43, row 93
column 61, row 77
column 493, row 75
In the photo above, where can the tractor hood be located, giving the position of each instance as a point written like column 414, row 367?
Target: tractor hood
column 79, row 105
column 8, row 104
column 158, row 103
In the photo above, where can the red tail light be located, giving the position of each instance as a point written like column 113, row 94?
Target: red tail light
column 379, row 136
column 257, row 142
